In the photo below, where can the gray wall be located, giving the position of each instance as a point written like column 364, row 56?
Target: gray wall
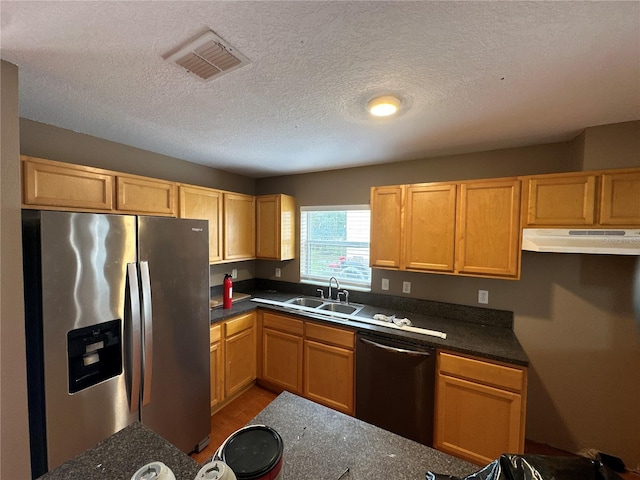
column 573, row 313
column 14, row 433
column 54, row 143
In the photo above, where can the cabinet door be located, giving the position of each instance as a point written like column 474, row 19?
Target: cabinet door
column 488, row 230
column 216, row 367
column 204, row 204
column 239, row 227
column 386, row 226
column 239, row 353
column 476, row 422
column 329, row 378
column 430, row 218
column 275, row 227
column 560, row 200
column 51, row 184
column 282, row 360
column 620, row 199
column 146, row 196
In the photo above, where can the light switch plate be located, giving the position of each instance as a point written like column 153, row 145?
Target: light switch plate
column 278, row 273
column 385, row 284
column 234, row 273
column 483, row 296
column 406, row 287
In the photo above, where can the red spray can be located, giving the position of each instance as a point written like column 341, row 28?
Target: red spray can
column 227, row 291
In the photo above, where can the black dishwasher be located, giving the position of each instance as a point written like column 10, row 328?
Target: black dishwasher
column 395, row 384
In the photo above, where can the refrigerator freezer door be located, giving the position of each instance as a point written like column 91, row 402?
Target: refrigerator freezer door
column 177, row 252
column 75, row 278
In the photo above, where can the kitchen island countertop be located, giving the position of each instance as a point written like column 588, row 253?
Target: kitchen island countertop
column 320, row 443
column 121, row 455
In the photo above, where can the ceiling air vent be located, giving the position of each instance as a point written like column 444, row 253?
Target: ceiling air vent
column 207, row 57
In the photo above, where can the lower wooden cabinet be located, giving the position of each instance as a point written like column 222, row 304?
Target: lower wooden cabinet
column 239, row 353
column 329, row 378
column 480, row 408
column 309, row 359
column 216, row 366
column 233, row 358
column 282, row 347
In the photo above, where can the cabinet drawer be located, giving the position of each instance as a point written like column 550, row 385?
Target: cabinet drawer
column 483, row 372
column 282, row 323
column 214, row 334
column 334, row 336
column 239, row 324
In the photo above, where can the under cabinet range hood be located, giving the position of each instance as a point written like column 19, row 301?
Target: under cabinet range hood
column 577, row 240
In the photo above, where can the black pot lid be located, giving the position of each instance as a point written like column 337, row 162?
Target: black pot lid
column 253, row 451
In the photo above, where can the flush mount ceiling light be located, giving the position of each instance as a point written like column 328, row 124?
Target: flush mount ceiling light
column 383, row 106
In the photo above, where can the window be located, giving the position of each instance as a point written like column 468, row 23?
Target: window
column 334, row 242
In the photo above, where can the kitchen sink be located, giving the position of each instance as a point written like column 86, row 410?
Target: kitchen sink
column 306, row 302
column 340, row 308
column 324, row 306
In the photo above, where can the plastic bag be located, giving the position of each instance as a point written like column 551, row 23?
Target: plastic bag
column 537, row 467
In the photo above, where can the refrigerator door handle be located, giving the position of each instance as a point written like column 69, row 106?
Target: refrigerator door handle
column 147, row 322
column 134, row 357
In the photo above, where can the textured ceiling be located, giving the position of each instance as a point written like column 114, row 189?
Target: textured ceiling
column 472, row 76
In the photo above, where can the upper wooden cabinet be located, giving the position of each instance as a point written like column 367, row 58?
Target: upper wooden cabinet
column 553, row 200
column 467, row 228
column 275, row 227
column 56, row 185
column 145, row 195
column 620, row 198
column 50, row 184
column 386, row 226
column 488, row 230
column 598, row 199
column 239, row 227
column 429, row 227
column 205, row 204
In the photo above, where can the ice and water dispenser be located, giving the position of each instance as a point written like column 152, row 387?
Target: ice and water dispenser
column 94, row 354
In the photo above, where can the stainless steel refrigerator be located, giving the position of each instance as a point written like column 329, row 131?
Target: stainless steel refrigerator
column 117, row 326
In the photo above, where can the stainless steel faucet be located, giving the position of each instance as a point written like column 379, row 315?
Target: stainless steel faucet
column 346, row 296
column 337, row 286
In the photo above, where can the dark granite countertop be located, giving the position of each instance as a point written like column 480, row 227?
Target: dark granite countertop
column 320, row 443
column 485, row 333
column 122, row 454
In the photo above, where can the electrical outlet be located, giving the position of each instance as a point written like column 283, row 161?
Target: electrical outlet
column 406, row 287
column 234, row 273
column 278, row 273
column 483, row 296
column 385, row 284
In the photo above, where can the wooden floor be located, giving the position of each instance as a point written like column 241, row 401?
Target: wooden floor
column 239, row 412
column 233, row 417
